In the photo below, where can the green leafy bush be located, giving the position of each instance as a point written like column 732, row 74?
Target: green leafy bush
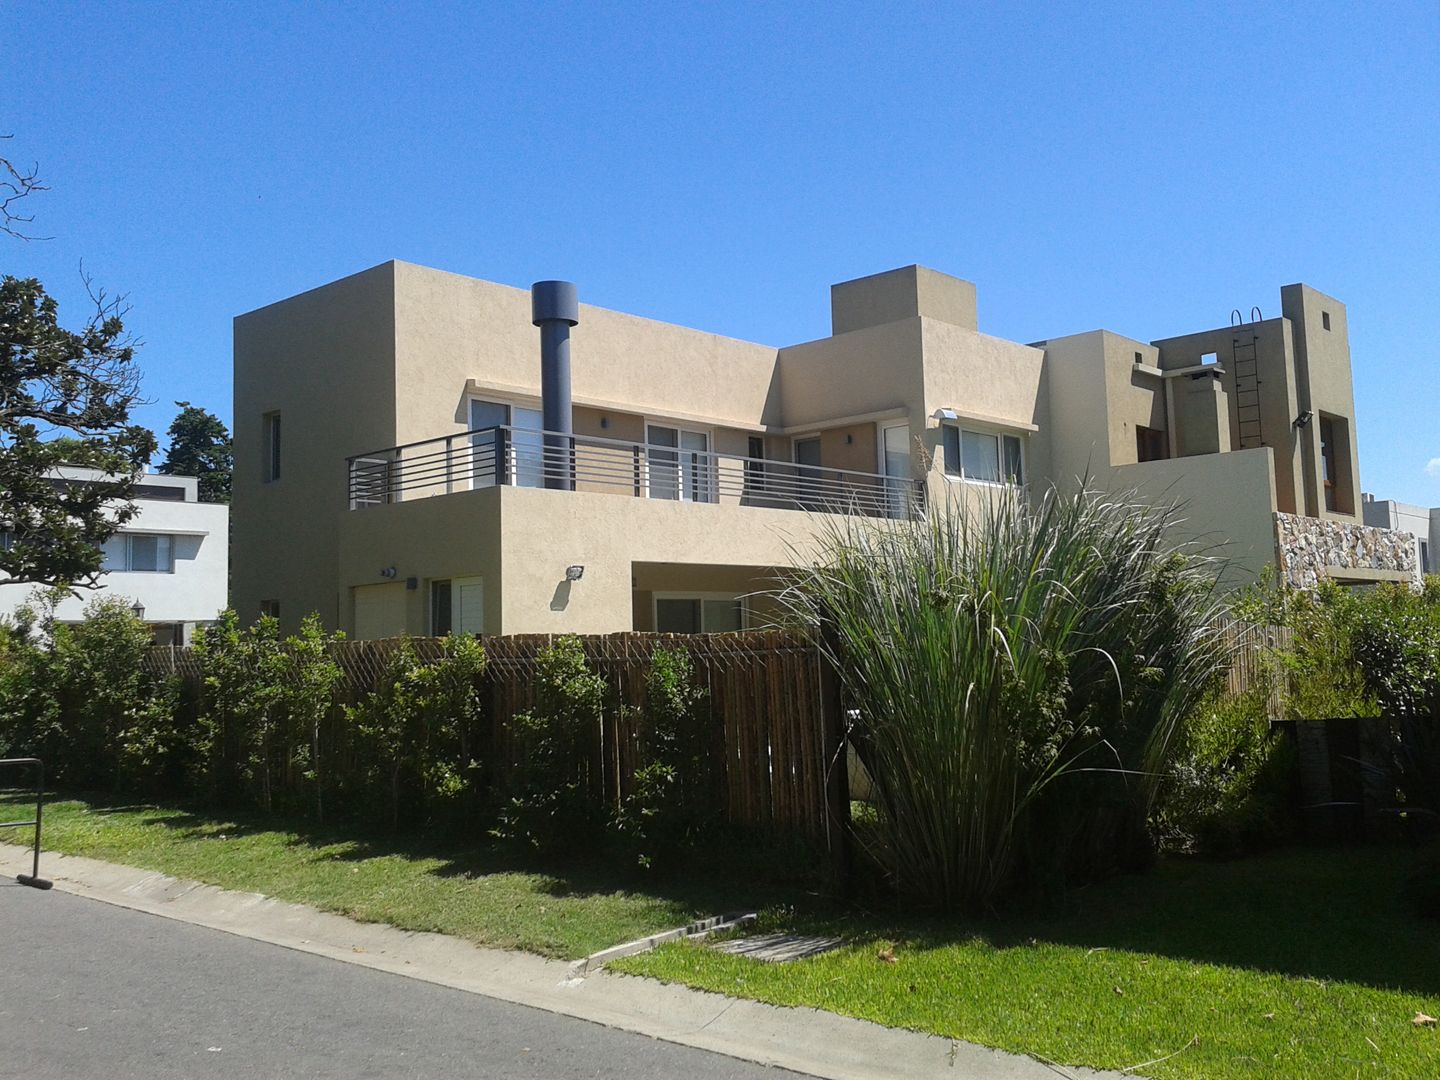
column 673, row 800
column 263, row 699
column 78, row 697
column 1229, row 790
column 554, row 805
column 416, row 729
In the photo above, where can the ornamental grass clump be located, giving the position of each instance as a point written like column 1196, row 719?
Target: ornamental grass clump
column 1018, row 675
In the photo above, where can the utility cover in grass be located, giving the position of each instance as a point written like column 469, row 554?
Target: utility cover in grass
column 779, row 948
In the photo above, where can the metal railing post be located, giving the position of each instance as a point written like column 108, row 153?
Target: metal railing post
column 32, row 879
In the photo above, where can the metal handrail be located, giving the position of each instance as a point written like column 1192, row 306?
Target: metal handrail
column 505, row 455
column 33, row 879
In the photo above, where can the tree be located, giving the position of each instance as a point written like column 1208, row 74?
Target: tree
column 200, row 446
column 65, row 399
column 16, row 182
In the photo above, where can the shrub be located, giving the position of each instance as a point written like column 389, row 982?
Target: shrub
column 672, row 802
column 415, row 728
column 262, row 701
column 77, row 696
column 1229, row 789
column 552, row 806
column 1020, row 676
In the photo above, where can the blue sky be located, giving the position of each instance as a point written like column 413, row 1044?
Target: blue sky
column 1145, row 168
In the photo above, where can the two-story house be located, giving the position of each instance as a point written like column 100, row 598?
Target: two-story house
column 169, row 563
column 393, row 472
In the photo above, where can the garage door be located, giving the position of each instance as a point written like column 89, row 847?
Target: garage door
column 379, row 611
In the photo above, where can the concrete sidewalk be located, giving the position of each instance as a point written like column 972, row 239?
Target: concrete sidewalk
column 804, row 1040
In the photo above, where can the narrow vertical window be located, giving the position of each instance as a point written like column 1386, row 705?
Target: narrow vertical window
column 1325, row 319
column 272, row 446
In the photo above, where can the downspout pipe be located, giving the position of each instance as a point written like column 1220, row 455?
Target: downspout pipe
column 555, row 308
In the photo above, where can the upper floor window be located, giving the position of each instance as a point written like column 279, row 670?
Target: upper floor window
column 139, row 553
column 1325, row 319
column 272, row 446
column 983, row 455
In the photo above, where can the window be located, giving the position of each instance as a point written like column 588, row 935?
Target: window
column 1325, row 319
column 700, row 614
column 138, row 553
column 679, row 464
column 983, row 455
column 1150, row 444
column 272, row 447
column 457, row 607
column 1424, row 557
column 270, row 609
column 7, row 539
column 1335, row 464
column 1210, row 358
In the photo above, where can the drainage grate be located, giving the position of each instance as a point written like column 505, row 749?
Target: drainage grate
column 779, row 948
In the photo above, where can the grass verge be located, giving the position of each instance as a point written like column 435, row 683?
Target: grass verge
column 1297, row 964
column 480, row 892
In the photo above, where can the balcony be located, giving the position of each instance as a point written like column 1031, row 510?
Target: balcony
column 519, row 457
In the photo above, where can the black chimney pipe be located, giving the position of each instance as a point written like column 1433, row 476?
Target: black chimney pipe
column 555, row 308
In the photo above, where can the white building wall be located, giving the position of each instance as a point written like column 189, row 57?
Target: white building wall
column 1421, row 522
column 196, row 591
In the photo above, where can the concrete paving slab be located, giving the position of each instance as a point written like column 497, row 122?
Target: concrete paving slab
column 803, row 1040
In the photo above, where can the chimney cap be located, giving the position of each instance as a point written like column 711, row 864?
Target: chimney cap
column 552, row 301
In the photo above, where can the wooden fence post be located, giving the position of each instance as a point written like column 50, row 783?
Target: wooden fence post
column 834, row 759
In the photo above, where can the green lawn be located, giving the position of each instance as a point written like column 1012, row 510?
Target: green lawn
column 481, row 893
column 1297, row 964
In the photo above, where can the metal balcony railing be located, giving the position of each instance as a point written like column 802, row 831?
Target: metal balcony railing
column 518, row 457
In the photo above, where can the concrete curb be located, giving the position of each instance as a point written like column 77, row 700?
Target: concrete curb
column 803, row 1040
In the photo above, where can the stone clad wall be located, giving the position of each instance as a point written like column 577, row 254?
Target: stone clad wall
column 1308, row 545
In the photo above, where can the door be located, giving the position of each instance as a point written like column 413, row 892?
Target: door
column 808, row 485
column 899, row 480
column 679, row 464
column 457, row 606
column 526, row 465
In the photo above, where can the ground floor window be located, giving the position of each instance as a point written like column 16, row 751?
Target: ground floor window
column 702, row 613
column 457, row 606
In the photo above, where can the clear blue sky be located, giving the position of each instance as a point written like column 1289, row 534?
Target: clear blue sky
column 1144, row 168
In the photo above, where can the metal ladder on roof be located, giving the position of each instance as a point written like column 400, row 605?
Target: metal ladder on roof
column 1245, row 372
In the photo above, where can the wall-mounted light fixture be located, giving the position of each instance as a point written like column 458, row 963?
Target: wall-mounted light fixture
column 388, row 572
column 946, row 414
column 574, row 573
column 1303, row 420
column 138, row 610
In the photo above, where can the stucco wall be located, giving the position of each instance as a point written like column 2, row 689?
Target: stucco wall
column 1225, row 503
column 325, row 361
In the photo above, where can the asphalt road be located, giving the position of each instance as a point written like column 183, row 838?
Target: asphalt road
column 92, row 990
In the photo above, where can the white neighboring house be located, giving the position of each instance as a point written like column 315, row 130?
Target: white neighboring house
column 170, row 563
column 1421, row 521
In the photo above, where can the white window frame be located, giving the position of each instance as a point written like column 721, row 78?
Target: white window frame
column 738, row 598
column 1000, row 433
column 511, row 402
column 680, row 428
column 128, row 568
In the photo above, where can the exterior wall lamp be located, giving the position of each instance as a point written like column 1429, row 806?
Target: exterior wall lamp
column 574, row 573
column 138, row 610
column 1303, row 420
column 946, row 414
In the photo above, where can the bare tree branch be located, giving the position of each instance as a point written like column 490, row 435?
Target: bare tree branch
column 16, row 183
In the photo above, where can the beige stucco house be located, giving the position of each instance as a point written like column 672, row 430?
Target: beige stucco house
column 390, row 472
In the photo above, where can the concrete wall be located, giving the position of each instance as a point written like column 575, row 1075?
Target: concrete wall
column 906, row 293
column 521, row 540
column 1225, row 502
column 325, row 360
column 1421, row 522
column 1322, row 357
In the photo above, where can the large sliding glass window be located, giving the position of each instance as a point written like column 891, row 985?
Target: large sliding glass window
column 142, row 553
column 983, row 455
column 526, row 464
column 679, row 464
column 699, row 614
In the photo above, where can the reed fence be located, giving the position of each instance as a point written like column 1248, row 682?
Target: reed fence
column 773, row 718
